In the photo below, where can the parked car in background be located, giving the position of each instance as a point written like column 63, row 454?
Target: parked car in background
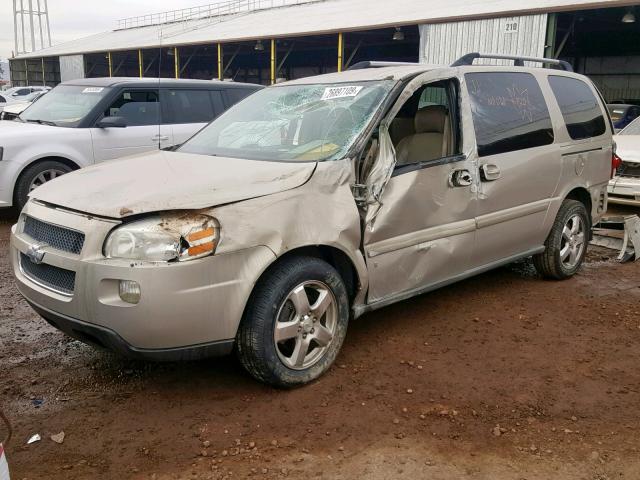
column 3, row 101
column 19, row 93
column 13, row 109
column 624, row 188
column 313, row 202
column 623, row 114
column 87, row 121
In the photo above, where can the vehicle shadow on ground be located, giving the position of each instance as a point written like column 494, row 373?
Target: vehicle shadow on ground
column 8, row 215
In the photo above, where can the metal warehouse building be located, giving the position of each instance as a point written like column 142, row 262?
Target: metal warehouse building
column 265, row 41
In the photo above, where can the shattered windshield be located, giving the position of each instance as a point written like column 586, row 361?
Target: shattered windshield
column 293, row 122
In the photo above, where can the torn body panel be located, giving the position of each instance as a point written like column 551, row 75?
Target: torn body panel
column 322, row 212
column 420, row 227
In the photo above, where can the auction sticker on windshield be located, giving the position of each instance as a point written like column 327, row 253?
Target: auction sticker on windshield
column 332, row 93
column 92, row 90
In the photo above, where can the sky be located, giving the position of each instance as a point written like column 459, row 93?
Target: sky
column 72, row 19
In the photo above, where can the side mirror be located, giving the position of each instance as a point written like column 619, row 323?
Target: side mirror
column 112, row 122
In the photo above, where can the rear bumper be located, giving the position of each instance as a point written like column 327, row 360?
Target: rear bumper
column 624, row 191
column 106, row 338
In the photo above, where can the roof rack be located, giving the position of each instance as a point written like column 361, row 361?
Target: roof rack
column 517, row 60
column 377, row 64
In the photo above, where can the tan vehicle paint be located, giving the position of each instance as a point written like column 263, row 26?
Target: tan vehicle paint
column 269, row 210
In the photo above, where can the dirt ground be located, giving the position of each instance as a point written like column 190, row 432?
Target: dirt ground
column 504, row 376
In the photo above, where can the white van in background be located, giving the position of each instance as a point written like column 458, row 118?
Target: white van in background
column 87, row 121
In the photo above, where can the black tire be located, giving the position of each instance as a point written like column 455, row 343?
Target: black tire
column 30, row 174
column 255, row 341
column 549, row 263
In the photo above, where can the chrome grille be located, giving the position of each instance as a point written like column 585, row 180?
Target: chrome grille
column 56, row 237
column 54, row 278
column 629, row 170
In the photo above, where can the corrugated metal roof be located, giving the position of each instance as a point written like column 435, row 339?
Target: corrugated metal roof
column 330, row 16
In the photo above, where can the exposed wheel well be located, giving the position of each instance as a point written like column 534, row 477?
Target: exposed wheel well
column 581, row 195
column 62, row 160
column 333, row 256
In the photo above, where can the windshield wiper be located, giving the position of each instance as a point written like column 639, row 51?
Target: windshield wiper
column 43, row 122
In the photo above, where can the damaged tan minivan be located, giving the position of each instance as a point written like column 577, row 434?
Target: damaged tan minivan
column 313, row 202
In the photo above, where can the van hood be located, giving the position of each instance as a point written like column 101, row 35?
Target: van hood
column 163, row 181
column 628, row 148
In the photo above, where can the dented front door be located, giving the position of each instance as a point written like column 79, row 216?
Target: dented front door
column 421, row 233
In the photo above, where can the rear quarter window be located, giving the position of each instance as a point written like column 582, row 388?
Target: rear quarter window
column 234, row 95
column 580, row 109
column 188, row 106
column 509, row 112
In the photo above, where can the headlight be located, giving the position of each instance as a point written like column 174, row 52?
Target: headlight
column 165, row 238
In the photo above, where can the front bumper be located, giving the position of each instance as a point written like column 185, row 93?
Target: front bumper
column 102, row 337
column 186, row 307
column 624, row 191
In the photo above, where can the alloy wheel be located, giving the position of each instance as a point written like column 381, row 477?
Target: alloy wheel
column 573, row 242
column 305, row 325
column 44, row 177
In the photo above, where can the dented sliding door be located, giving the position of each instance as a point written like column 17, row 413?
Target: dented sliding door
column 420, row 222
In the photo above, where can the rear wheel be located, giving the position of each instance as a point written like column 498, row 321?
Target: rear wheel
column 566, row 245
column 35, row 176
column 295, row 323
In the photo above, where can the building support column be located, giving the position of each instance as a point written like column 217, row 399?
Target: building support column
column 176, row 61
column 110, row 64
column 550, row 39
column 26, row 72
column 220, row 62
column 140, row 63
column 273, row 62
column 44, row 78
column 340, row 51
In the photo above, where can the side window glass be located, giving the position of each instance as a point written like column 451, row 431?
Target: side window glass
column 580, row 108
column 189, row 106
column 2, row 99
column 433, row 95
column 234, row 95
column 217, row 101
column 509, row 112
column 427, row 126
column 137, row 107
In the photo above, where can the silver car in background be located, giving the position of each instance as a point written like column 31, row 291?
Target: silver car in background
column 624, row 188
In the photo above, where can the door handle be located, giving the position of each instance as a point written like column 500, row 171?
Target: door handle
column 460, row 178
column 490, row 172
column 161, row 138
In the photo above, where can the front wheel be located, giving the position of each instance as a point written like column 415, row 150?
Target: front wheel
column 566, row 245
column 295, row 322
column 35, row 176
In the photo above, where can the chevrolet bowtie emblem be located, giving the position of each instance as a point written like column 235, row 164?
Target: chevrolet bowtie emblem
column 36, row 253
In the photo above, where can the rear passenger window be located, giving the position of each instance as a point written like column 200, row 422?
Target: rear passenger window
column 218, row 102
column 509, row 112
column 580, row 108
column 189, row 106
